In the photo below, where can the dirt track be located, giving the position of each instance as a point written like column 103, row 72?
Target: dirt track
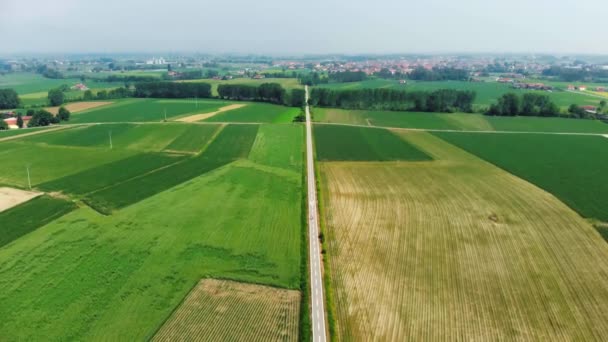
column 10, row 197
column 34, row 132
column 203, row 116
column 79, row 106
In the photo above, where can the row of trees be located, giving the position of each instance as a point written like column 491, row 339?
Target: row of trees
column 439, row 74
column 172, row 90
column 347, row 76
column 529, row 104
column 443, row 100
column 266, row 92
column 9, row 99
column 572, row 74
column 42, row 117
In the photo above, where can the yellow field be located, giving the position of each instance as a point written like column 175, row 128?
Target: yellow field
column 220, row 310
column 457, row 249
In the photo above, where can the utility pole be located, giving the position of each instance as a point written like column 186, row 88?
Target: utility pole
column 196, row 101
column 165, row 114
column 110, row 134
column 29, row 181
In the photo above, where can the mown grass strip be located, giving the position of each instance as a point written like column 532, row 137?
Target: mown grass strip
column 348, row 143
column 31, row 215
column 232, row 143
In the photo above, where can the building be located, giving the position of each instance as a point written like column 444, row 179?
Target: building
column 12, row 122
column 590, row 109
column 582, row 88
column 571, row 87
column 600, row 89
column 79, row 86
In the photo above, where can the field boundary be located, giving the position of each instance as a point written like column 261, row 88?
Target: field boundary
column 460, row 131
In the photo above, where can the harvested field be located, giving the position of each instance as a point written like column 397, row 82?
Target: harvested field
column 457, row 249
column 76, row 107
column 10, row 197
column 203, row 116
column 221, row 310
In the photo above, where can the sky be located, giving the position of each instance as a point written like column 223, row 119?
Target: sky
column 282, row 27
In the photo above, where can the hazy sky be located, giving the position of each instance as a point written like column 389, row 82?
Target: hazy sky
column 309, row 26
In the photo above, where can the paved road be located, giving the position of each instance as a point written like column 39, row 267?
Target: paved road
column 316, row 277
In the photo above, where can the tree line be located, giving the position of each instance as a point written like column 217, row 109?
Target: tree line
column 443, row 100
column 529, row 104
column 572, row 75
column 438, row 74
column 347, row 76
column 266, row 92
column 172, row 90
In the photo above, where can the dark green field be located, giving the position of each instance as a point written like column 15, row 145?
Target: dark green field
column 573, row 168
column 110, row 174
column 31, row 215
column 335, row 143
column 233, row 142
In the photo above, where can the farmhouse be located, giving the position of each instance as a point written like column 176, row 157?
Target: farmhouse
column 571, row 87
column 79, row 86
column 582, row 88
column 590, row 109
column 600, row 89
column 12, row 122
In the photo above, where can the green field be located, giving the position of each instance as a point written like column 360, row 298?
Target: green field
column 487, row 92
column 257, row 112
column 15, row 132
column 27, row 217
column 457, row 121
column 145, row 110
column 48, row 162
column 570, row 167
column 87, row 276
column 335, row 143
column 110, row 174
column 193, row 139
column 232, row 143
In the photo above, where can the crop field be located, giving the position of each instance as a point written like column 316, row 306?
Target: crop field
column 47, row 162
column 487, row 92
column 261, row 313
column 193, row 139
column 145, row 110
column 31, row 215
column 15, row 132
column 232, row 143
column 140, row 137
column 257, row 112
column 457, row 121
column 87, row 276
column 570, row 167
column 110, row 174
column 334, row 143
column 457, row 249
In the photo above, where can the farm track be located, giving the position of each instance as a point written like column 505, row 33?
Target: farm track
column 457, row 249
column 52, row 129
column 203, row 116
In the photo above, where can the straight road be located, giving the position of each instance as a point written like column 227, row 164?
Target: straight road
column 319, row 333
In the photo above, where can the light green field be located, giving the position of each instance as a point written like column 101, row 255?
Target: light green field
column 257, row 112
column 457, row 121
column 92, row 277
column 457, row 249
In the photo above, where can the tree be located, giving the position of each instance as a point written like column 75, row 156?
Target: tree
column 63, row 114
column 42, row 118
column 56, row 97
column 9, row 99
column 88, row 95
column 19, row 121
column 3, row 125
